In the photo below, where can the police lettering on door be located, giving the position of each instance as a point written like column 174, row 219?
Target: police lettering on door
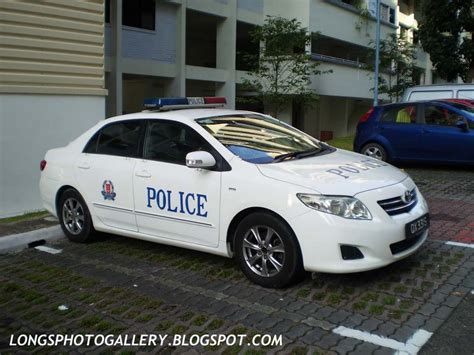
column 189, row 203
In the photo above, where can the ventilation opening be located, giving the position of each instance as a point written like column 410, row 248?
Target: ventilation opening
column 351, row 253
column 406, row 244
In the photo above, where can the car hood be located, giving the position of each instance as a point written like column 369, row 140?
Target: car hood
column 337, row 173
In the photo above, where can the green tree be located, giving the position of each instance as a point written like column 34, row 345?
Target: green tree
column 447, row 34
column 397, row 65
column 281, row 72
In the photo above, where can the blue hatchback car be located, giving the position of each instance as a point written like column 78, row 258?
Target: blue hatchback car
column 422, row 131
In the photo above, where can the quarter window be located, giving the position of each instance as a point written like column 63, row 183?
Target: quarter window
column 400, row 114
column 120, row 139
column 170, row 142
column 440, row 116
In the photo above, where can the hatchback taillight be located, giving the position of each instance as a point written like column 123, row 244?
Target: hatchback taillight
column 42, row 165
column 366, row 115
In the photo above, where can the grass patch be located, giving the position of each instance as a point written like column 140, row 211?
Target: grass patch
column 164, row 325
column 376, row 309
column 334, row 298
column 24, row 217
column 215, row 324
column 343, row 142
column 371, row 296
column 303, row 292
column 199, row 320
column 359, row 306
column 299, row 350
column 389, row 300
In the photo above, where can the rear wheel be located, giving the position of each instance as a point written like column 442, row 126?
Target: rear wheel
column 267, row 251
column 375, row 150
column 74, row 217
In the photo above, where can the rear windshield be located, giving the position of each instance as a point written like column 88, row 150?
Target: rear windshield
column 258, row 139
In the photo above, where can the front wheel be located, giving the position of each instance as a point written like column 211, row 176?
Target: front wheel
column 74, row 217
column 267, row 251
column 375, row 150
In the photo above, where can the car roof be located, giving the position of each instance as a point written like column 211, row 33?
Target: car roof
column 457, row 85
column 411, row 103
column 182, row 115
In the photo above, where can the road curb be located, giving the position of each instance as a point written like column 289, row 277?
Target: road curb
column 17, row 242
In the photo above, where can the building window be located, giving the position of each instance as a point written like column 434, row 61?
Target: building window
column 416, row 38
column 387, row 13
column 139, row 13
column 107, row 11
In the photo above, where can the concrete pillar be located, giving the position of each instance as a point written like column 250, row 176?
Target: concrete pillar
column 115, row 83
column 226, row 52
column 177, row 86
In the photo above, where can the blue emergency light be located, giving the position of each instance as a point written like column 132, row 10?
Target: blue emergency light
column 169, row 103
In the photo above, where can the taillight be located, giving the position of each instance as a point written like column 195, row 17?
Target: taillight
column 42, row 165
column 366, row 115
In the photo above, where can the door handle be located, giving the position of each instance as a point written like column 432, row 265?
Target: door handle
column 143, row 174
column 84, row 165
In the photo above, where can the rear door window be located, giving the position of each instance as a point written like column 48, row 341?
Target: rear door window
column 400, row 114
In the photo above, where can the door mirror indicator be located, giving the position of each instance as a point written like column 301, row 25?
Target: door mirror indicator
column 200, row 159
column 462, row 124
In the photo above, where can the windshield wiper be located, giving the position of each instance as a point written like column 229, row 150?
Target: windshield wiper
column 297, row 155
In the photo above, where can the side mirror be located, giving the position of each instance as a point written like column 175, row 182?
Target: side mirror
column 200, row 159
column 462, row 124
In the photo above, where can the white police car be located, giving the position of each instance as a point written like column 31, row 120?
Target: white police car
column 234, row 183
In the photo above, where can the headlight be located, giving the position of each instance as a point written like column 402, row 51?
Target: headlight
column 347, row 207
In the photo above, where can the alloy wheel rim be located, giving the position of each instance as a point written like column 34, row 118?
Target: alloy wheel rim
column 73, row 216
column 264, row 251
column 374, row 152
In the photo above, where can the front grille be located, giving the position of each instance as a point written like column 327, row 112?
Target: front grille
column 397, row 205
column 406, row 244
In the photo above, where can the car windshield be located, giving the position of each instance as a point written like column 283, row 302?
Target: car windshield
column 260, row 139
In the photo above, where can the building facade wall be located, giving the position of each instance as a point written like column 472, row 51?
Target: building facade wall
column 52, row 47
column 30, row 125
column 51, row 88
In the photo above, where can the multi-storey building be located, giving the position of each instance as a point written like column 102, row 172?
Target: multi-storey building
column 58, row 58
column 194, row 48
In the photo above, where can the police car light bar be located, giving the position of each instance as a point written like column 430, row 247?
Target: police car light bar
column 176, row 103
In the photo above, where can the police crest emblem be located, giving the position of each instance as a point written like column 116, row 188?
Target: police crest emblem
column 108, row 190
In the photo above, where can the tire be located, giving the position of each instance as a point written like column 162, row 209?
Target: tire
column 74, row 217
column 375, row 150
column 251, row 257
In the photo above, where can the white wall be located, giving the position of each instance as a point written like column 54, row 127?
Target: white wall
column 29, row 126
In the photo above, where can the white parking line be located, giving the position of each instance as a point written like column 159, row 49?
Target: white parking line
column 48, row 249
column 457, row 244
column 412, row 346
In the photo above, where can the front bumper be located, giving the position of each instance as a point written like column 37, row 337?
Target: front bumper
column 321, row 235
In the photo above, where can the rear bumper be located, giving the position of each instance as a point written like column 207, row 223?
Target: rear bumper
column 48, row 188
column 321, row 235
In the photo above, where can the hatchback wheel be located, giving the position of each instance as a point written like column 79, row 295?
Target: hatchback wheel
column 376, row 151
column 74, row 217
column 267, row 251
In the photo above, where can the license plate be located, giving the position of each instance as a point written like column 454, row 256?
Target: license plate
column 417, row 226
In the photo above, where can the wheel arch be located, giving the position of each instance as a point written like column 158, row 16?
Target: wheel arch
column 246, row 212
column 382, row 142
column 61, row 191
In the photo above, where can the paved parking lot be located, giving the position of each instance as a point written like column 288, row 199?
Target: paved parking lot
column 118, row 285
